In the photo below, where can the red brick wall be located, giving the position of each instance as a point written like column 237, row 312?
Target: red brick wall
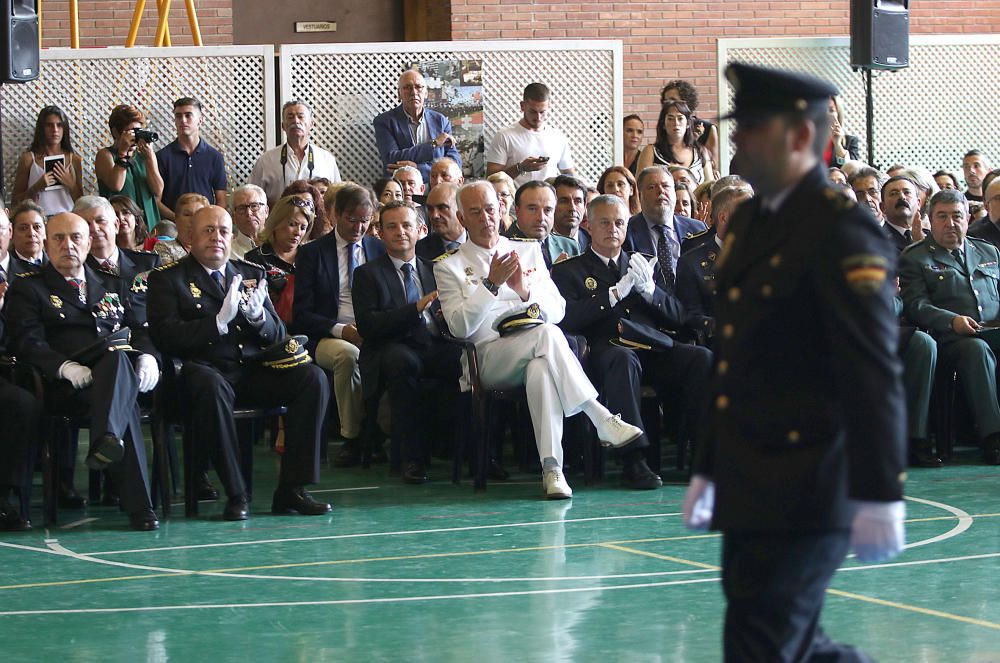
column 106, row 23
column 666, row 40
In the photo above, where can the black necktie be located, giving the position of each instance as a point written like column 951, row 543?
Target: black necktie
column 3, row 275
column 410, row 284
column 958, row 256
column 613, row 268
column 664, row 258
column 219, row 279
column 908, row 236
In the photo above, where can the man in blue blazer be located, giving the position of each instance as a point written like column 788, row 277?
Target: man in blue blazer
column 656, row 226
column 410, row 132
column 324, row 310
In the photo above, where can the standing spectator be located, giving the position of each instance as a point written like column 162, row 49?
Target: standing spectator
column 411, row 134
column 53, row 189
column 704, row 131
column 975, row 166
column 190, row 164
column 129, row 166
column 132, row 231
column 249, row 212
column 297, row 159
column 635, row 128
column 530, row 149
column 676, row 145
column 946, row 180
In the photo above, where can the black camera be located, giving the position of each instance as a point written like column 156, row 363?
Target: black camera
column 146, row 135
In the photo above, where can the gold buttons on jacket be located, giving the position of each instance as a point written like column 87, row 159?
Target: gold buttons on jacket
column 775, row 260
column 766, row 290
column 727, row 331
column 793, row 436
column 722, row 367
column 721, row 402
column 734, row 294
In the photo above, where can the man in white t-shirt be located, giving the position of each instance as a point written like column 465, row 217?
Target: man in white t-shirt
column 529, row 149
column 297, row 159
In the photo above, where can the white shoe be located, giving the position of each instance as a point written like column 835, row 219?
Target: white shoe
column 554, row 485
column 613, row 432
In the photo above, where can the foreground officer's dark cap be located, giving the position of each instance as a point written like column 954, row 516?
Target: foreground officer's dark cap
column 763, row 92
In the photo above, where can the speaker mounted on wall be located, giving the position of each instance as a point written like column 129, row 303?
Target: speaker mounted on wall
column 19, row 48
column 880, row 34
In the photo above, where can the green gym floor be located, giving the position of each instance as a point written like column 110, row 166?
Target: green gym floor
column 439, row 573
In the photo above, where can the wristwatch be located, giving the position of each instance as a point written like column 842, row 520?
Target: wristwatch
column 491, row 286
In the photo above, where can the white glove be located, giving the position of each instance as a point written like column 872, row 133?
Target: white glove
column 623, row 287
column 877, row 531
column 642, row 273
column 148, row 372
column 78, row 375
column 230, row 305
column 253, row 309
column 699, row 503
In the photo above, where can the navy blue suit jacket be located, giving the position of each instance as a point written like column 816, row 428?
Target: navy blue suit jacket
column 637, row 236
column 392, row 135
column 317, row 285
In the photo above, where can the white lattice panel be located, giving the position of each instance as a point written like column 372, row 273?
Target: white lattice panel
column 927, row 115
column 234, row 84
column 350, row 84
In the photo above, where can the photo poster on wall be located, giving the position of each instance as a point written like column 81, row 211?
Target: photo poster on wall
column 455, row 89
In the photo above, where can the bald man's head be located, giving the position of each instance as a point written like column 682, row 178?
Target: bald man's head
column 68, row 243
column 211, row 236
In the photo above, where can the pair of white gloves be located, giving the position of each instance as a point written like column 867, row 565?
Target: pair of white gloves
column 876, row 531
column 639, row 277
column 80, row 376
column 253, row 307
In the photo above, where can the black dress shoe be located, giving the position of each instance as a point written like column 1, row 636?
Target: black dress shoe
column 206, row 491
column 69, row 498
column 106, row 450
column 236, row 509
column 495, row 471
column 638, row 476
column 348, row 456
column 11, row 520
column 415, row 473
column 289, row 499
column 991, row 451
column 143, row 521
column 379, row 456
column 922, row 454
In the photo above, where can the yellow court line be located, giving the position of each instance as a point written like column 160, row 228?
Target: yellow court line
column 668, row 558
column 915, row 608
column 187, row 573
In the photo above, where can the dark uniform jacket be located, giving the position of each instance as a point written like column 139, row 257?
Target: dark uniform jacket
column 383, row 315
column 431, row 247
column 183, row 301
column 584, row 282
column 807, row 400
column 896, row 238
column 317, row 285
column 696, row 282
column 553, row 246
column 49, row 323
column 936, row 287
column 985, row 229
column 133, row 268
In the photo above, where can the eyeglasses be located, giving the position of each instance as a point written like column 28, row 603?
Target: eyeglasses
column 302, row 203
column 256, row 207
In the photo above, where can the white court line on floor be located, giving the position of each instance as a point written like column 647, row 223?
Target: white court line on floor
column 344, row 490
column 362, row 535
column 964, row 521
column 77, row 523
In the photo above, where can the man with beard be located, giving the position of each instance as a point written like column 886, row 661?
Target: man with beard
column 974, row 166
column 949, row 286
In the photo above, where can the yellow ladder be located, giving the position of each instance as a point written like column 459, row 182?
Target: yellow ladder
column 162, row 28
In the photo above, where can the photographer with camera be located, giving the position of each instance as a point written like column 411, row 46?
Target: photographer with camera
column 128, row 167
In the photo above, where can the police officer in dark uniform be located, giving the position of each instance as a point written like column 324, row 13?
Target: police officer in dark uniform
column 806, row 448
column 612, row 299
column 696, row 266
column 18, row 427
column 64, row 319
column 214, row 314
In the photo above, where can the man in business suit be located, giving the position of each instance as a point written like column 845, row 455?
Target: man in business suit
column 535, row 202
column 27, row 222
column 324, row 308
column 605, row 288
column 412, row 133
column 988, row 227
column 57, row 313
column 805, row 452
column 656, row 230
column 949, row 286
column 213, row 313
column 395, row 297
column 491, row 281
column 899, row 205
column 696, row 266
column 447, row 233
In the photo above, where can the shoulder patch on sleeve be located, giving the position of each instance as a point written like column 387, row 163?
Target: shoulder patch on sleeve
column 523, row 239
column 141, row 282
column 865, row 272
column 698, row 234
column 169, row 265
column 445, row 255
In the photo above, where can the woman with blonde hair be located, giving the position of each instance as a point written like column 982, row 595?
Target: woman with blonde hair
column 505, row 189
column 284, row 231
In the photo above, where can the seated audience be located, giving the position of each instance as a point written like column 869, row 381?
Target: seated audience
column 171, row 250
column 842, row 146
column 504, row 187
column 571, row 210
column 50, row 171
column 867, row 186
column 535, row 204
column 27, row 238
column 132, row 228
column 634, row 128
column 445, row 169
column 447, row 232
column 620, row 181
column 946, row 180
column 988, row 228
column 306, row 191
column 249, row 211
column 900, row 209
column 285, row 230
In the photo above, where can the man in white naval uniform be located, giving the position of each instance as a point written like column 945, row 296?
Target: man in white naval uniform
column 484, row 282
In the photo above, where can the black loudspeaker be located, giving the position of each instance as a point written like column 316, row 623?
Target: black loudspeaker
column 19, row 48
column 880, row 34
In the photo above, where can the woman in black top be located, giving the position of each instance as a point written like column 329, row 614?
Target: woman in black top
column 286, row 228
